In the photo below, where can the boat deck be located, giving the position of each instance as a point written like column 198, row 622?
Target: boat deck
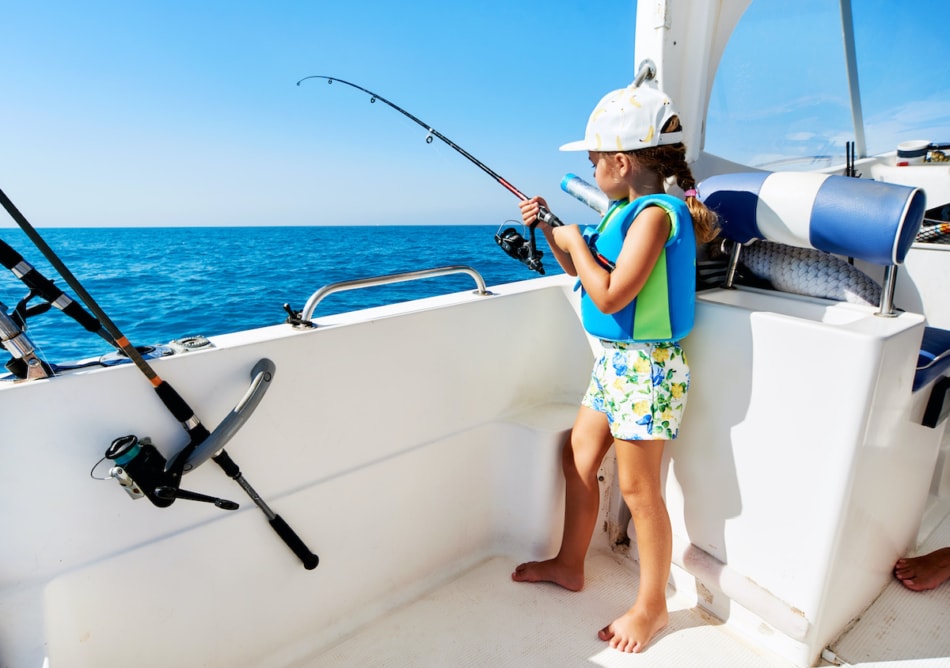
column 482, row 618
column 903, row 627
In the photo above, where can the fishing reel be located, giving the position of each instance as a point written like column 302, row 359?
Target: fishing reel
column 141, row 470
column 526, row 250
column 521, row 249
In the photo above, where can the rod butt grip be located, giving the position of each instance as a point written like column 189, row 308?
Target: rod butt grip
column 309, row 559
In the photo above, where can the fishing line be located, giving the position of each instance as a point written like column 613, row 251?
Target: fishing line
column 197, row 432
column 512, row 242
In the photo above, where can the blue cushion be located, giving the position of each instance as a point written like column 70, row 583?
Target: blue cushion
column 930, row 364
column 871, row 220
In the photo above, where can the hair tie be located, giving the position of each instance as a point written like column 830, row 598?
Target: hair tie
column 690, row 193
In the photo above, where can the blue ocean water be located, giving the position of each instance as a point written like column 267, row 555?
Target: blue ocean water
column 161, row 284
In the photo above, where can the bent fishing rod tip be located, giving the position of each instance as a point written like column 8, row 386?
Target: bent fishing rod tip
column 316, row 76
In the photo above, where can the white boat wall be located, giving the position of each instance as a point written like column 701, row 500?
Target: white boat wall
column 401, row 446
column 415, row 449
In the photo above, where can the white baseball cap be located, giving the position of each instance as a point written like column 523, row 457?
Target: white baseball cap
column 629, row 119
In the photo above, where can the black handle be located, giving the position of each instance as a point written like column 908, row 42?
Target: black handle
column 309, row 559
column 283, row 530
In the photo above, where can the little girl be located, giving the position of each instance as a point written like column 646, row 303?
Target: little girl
column 637, row 271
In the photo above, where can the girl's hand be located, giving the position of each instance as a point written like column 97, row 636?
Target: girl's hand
column 529, row 214
column 529, row 211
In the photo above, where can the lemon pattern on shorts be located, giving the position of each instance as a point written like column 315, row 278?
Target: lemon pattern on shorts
column 642, row 389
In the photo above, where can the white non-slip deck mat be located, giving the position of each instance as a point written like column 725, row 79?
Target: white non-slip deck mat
column 903, row 628
column 484, row 619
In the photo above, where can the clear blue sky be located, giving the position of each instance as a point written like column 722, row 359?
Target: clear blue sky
column 186, row 112
column 782, row 89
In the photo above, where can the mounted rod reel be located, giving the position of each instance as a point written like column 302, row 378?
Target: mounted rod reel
column 142, row 470
column 161, row 478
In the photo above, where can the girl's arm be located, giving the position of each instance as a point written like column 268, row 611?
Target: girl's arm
column 612, row 291
column 529, row 213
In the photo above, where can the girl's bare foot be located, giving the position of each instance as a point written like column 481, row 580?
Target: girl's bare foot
column 549, row 571
column 926, row 572
column 634, row 630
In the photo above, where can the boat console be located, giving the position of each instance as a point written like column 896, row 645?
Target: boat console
column 803, row 468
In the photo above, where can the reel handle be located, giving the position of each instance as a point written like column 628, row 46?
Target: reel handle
column 172, row 493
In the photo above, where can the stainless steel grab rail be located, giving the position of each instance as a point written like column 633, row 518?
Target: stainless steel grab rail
column 354, row 284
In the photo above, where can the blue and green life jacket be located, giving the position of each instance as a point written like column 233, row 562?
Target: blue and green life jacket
column 663, row 310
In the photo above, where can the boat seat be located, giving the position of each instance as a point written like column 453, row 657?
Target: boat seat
column 934, row 358
column 933, row 363
column 870, row 220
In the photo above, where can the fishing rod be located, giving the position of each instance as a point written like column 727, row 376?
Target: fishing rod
column 141, row 456
column 510, row 240
column 24, row 363
column 43, row 287
column 165, row 392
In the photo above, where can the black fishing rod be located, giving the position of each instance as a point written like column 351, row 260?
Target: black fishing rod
column 512, row 242
column 165, row 392
column 41, row 286
column 143, row 455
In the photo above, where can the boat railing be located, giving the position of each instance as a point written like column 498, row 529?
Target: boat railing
column 341, row 286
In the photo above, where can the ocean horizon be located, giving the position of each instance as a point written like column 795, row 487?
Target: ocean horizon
column 158, row 284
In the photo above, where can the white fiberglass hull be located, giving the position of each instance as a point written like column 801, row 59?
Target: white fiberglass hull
column 415, row 449
column 410, row 443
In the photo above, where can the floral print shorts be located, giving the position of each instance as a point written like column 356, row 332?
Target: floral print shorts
column 641, row 387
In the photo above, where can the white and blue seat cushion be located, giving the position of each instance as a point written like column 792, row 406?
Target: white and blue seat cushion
column 874, row 221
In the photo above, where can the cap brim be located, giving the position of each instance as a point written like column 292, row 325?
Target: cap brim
column 576, row 146
column 664, row 139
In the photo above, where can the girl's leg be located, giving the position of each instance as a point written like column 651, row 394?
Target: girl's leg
column 580, row 460
column 638, row 467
